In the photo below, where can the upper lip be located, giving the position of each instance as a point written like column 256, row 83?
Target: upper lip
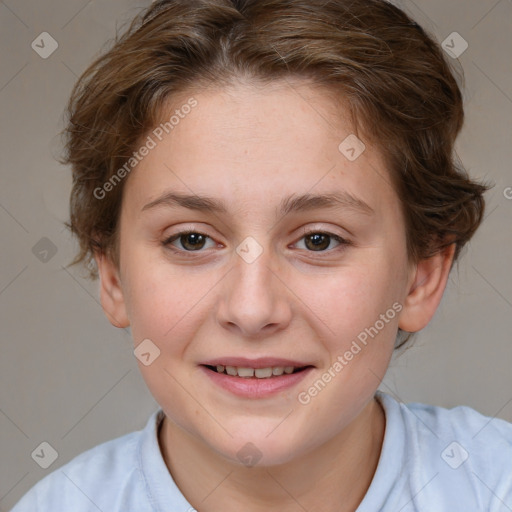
column 260, row 362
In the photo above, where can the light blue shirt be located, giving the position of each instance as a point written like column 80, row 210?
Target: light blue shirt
column 432, row 460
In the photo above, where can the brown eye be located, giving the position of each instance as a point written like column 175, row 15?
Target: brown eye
column 190, row 241
column 319, row 241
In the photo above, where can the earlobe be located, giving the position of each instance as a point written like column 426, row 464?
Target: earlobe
column 426, row 290
column 111, row 293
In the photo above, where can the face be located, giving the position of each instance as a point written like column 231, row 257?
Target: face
column 262, row 281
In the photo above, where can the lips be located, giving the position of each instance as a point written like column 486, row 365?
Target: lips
column 256, row 378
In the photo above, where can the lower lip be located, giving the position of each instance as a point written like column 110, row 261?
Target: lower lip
column 252, row 387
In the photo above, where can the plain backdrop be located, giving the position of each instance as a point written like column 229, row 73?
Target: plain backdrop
column 70, row 379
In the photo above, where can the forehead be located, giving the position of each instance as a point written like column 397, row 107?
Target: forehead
column 256, row 144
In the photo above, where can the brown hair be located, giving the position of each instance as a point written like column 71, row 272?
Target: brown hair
column 395, row 78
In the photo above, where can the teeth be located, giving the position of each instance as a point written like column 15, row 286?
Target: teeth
column 246, row 372
column 260, row 373
column 263, row 373
column 231, row 370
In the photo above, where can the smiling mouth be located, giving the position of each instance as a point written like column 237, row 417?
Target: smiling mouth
column 256, row 373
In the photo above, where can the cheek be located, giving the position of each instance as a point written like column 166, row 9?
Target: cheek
column 163, row 309
column 353, row 300
column 164, row 303
column 359, row 308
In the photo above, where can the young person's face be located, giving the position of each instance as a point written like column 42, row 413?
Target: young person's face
column 255, row 286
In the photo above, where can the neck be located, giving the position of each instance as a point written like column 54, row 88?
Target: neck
column 333, row 477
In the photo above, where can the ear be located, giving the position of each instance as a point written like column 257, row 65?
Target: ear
column 111, row 293
column 426, row 288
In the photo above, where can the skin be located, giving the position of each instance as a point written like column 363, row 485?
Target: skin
column 250, row 146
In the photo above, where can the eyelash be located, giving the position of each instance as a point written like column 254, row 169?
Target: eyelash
column 343, row 243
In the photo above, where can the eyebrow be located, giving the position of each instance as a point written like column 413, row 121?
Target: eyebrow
column 292, row 203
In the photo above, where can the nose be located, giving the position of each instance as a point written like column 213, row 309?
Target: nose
column 255, row 299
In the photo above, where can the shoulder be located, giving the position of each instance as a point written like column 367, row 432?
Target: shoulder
column 457, row 448
column 461, row 423
column 482, row 437
column 98, row 478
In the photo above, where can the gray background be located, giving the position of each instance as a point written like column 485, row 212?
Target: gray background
column 69, row 378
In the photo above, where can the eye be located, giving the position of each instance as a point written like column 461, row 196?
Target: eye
column 318, row 241
column 191, row 241
column 194, row 241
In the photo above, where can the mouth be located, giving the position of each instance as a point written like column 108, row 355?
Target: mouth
column 248, row 372
column 256, row 378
